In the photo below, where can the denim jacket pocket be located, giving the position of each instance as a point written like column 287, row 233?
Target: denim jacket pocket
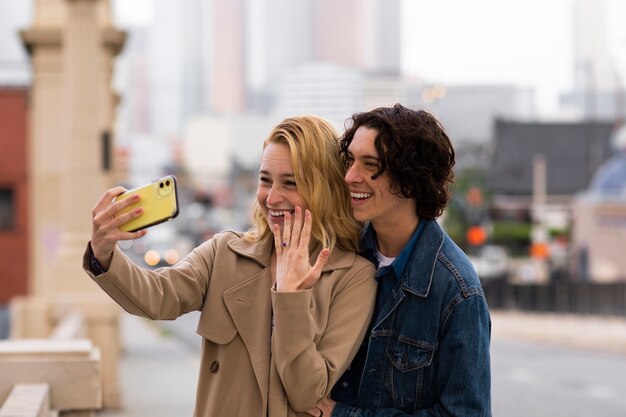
column 407, row 377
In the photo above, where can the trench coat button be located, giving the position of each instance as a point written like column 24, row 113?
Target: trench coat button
column 215, row 366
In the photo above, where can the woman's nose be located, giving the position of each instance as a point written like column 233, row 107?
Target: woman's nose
column 274, row 196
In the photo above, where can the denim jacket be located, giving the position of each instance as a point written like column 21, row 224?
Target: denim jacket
column 427, row 351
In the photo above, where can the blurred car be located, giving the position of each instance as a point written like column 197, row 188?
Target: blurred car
column 162, row 246
column 491, row 262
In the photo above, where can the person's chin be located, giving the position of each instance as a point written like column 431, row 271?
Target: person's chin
column 360, row 216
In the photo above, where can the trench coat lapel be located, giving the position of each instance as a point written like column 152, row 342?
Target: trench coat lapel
column 250, row 306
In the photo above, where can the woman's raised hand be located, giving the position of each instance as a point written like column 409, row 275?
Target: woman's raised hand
column 105, row 226
column 293, row 270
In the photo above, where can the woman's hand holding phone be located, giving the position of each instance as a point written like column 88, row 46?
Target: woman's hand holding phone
column 122, row 214
column 106, row 224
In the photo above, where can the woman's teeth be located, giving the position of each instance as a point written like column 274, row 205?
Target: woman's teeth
column 360, row 196
column 280, row 213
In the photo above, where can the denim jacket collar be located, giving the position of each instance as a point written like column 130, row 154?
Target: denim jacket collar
column 419, row 266
column 418, row 274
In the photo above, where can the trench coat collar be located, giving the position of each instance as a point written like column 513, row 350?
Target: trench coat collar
column 261, row 252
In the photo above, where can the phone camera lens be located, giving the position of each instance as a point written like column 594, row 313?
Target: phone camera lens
column 161, row 185
column 167, row 183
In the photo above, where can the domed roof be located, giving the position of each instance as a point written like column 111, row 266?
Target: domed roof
column 610, row 179
column 619, row 139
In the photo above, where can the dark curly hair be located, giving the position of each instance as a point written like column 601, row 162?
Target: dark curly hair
column 416, row 152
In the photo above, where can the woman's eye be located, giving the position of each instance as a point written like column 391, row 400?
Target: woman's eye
column 264, row 180
column 290, row 184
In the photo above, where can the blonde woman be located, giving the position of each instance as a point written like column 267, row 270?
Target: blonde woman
column 284, row 306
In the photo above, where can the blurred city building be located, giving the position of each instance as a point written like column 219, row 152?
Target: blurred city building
column 597, row 92
column 268, row 58
column 573, row 152
column 363, row 35
column 329, row 90
column 359, row 33
column 536, row 171
column 228, row 70
column 599, row 220
column 14, row 79
column 469, row 112
column 14, row 199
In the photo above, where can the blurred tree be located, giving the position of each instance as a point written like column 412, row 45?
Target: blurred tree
column 468, row 209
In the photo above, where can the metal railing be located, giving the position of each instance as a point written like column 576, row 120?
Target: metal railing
column 558, row 297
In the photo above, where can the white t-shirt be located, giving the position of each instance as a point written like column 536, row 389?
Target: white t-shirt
column 383, row 260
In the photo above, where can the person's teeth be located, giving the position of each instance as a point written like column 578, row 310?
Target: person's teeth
column 360, row 195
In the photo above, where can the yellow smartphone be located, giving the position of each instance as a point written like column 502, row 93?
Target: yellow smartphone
column 159, row 200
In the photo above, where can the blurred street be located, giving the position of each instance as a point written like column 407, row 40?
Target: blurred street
column 542, row 366
column 158, row 372
column 539, row 380
column 550, row 365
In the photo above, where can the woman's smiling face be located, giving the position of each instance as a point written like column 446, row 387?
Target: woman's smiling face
column 277, row 191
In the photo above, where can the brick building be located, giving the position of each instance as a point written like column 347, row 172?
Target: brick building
column 13, row 192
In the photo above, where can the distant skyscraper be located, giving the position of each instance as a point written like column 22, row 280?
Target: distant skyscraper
column 279, row 39
column 228, row 64
column 132, row 80
column 165, row 60
column 286, row 35
column 196, row 48
column 231, row 56
column 595, row 92
column 593, row 69
column 361, row 33
column 328, row 90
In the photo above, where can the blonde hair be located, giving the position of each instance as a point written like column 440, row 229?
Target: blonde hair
column 319, row 173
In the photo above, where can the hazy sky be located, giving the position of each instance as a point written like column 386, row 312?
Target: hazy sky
column 523, row 42
column 457, row 41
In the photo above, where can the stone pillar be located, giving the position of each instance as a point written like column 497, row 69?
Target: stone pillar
column 43, row 41
column 84, row 177
column 73, row 45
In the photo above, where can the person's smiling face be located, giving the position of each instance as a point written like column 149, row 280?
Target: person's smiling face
column 372, row 199
column 277, row 192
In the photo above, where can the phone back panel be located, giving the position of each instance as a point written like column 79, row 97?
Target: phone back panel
column 159, row 200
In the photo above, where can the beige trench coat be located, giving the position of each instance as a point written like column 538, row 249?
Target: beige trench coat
column 264, row 353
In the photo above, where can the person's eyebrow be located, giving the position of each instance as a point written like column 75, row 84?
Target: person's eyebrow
column 284, row 175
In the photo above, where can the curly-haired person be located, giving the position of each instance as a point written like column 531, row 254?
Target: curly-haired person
column 427, row 349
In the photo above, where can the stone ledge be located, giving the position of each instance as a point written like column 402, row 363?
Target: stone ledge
column 74, row 375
